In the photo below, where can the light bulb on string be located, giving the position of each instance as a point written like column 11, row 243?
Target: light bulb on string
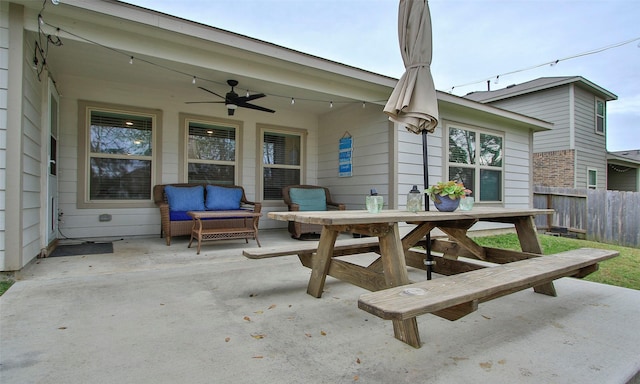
column 497, row 79
column 131, row 60
column 293, row 101
column 553, row 63
column 363, row 104
column 40, row 20
column 247, row 93
column 331, row 104
column 194, row 80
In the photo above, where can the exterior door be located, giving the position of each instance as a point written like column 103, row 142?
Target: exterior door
column 52, row 167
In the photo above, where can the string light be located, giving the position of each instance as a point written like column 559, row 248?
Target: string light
column 194, row 78
column 554, row 62
column 497, row 79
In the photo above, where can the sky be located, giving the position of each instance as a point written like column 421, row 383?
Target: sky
column 511, row 41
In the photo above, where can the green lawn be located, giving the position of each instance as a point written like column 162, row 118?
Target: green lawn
column 4, row 285
column 622, row 271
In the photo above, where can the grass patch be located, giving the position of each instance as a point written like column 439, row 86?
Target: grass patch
column 622, row 271
column 4, row 285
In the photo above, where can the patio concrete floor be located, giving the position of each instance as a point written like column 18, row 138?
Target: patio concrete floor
column 149, row 313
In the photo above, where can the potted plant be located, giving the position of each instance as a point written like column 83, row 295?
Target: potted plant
column 446, row 195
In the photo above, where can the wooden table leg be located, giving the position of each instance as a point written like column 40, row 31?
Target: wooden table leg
column 529, row 242
column 322, row 261
column 395, row 273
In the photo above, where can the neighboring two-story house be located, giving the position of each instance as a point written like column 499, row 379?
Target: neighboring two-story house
column 573, row 154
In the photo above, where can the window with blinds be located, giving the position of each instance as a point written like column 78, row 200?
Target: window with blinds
column 476, row 159
column 211, row 153
column 120, row 149
column 282, row 165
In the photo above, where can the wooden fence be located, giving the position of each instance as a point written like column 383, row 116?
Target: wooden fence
column 611, row 217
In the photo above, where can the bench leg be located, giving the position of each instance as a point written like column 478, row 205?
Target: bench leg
column 395, row 273
column 529, row 242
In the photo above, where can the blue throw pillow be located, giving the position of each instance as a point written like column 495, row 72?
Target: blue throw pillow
column 309, row 199
column 185, row 198
column 222, row 198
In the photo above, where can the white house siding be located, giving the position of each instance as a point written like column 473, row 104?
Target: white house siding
column 146, row 221
column 4, row 79
column 591, row 149
column 31, row 156
column 371, row 132
column 550, row 105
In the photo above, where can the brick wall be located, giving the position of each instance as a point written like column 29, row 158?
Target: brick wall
column 554, row 169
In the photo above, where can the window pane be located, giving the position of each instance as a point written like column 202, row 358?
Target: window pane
column 462, row 146
column 490, row 150
column 120, row 179
column 210, row 142
column 593, row 178
column 276, row 178
column 490, row 185
column 211, row 173
column 282, row 149
column 120, row 134
column 465, row 176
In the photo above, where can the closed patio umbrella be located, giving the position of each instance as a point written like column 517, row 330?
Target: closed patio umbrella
column 413, row 101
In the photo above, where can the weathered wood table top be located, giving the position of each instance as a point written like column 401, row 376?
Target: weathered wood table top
column 390, row 270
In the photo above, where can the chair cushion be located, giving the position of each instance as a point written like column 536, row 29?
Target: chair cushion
column 179, row 216
column 222, row 198
column 309, row 199
column 185, row 198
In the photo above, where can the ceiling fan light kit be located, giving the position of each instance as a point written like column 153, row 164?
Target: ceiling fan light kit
column 232, row 101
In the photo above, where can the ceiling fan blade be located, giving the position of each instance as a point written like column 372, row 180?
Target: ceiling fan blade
column 256, row 107
column 203, row 102
column 213, row 93
column 244, row 99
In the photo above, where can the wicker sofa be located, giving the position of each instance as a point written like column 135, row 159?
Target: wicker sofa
column 178, row 223
column 307, row 198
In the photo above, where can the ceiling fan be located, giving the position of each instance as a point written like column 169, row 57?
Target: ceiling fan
column 233, row 101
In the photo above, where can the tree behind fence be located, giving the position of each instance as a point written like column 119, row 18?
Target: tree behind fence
column 611, row 217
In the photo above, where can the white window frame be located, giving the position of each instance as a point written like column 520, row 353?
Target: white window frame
column 602, row 116
column 477, row 167
column 84, row 153
column 595, row 172
column 264, row 129
column 185, row 119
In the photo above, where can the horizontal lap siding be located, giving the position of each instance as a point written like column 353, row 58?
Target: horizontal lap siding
column 517, row 169
column 4, row 78
column 370, row 130
column 590, row 147
column 31, row 159
column 550, row 105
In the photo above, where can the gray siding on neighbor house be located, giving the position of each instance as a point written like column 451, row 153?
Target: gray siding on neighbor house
column 622, row 178
column 591, row 149
column 4, row 79
column 550, row 105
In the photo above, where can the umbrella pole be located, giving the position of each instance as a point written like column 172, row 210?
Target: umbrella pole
column 429, row 260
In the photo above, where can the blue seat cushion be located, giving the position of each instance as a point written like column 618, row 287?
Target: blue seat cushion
column 309, row 199
column 179, row 216
column 222, row 198
column 185, row 198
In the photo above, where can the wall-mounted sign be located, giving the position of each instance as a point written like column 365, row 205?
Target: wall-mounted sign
column 345, row 159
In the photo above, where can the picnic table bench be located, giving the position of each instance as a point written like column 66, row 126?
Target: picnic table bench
column 456, row 296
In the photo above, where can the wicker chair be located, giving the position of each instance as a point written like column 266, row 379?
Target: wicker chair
column 299, row 230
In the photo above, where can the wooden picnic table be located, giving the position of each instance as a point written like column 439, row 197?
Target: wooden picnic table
column 390, row 269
